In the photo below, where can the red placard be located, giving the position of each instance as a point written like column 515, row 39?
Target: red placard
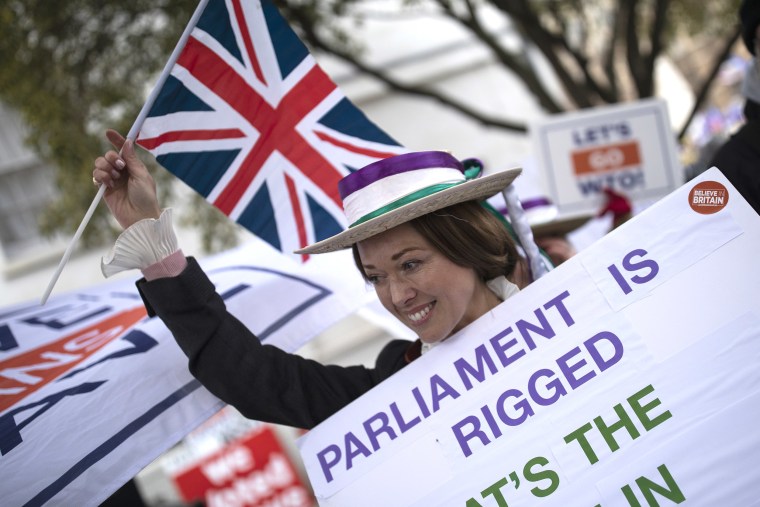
column 251, row 471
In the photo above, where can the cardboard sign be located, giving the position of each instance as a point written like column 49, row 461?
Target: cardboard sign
column 629, row 148
column 252, row 471
column 626, row 376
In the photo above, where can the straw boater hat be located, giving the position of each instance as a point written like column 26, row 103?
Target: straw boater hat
column 398, row 189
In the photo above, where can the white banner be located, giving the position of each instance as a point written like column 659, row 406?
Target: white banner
column 91, row 390
column 627, row 376
column 629, row 148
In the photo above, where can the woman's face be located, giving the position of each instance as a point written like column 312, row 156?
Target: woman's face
column 420, row 286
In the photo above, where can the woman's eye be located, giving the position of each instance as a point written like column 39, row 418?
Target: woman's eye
column 410, row 265
column 373, row 279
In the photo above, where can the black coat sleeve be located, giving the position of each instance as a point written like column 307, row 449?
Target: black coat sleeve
column 262, row 381
column 739, row 160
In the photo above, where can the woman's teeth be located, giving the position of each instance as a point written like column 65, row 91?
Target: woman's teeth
column 418, row 316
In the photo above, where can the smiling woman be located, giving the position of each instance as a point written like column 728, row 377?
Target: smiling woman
column 436, row 257
column 431, row 272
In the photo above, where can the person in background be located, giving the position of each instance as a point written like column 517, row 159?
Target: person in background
column 437, row 259
column 552, row 237
column 550, row 228
column 739, row 157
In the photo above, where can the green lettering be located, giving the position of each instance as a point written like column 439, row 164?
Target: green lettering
column 628, row 493
column 673, row 493
column 549, row 475
column 670, row 491
column 624, row 422
column 495, row 491
column 641, row 411
column 580, row 436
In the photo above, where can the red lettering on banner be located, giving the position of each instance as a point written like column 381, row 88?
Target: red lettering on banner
column 26, row 373
column 252, row 471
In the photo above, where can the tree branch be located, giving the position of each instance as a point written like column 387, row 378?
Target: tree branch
column 633, row 52
column 318, row 43
column 509, row 60
column 609, row 52
column 546, row 42
column 656, row 37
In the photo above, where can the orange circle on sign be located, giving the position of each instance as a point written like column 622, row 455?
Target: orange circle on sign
column 708, row 197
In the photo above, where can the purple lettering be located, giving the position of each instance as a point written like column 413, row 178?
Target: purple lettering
column 617, row 345
column 466, row 370
column 440, row 390
column 403, row 426
column 554, row 385
column 327, row 465
column 568, row 370
column 463, row 439
column 354, row 448
column 384, row 427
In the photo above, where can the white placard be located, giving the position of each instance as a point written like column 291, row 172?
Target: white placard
column 623, row 376
column 629, row 148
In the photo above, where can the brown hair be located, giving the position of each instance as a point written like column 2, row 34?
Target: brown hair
column 468, row 235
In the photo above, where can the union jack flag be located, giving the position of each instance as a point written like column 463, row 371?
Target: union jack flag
column 249, row 120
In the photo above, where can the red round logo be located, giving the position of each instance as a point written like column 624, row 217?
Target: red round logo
column 708, row 197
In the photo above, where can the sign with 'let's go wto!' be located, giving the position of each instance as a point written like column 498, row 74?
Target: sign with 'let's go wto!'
column 628, row 148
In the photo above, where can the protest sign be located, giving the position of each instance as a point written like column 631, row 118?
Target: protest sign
column 626, row 376
column 92, row 390
column 253, row 470
column 627, row 147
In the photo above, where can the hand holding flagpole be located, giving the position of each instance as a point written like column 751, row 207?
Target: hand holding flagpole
column 132, row 135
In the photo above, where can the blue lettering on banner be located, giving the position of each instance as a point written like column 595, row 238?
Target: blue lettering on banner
column 142, row 342
column 55, row 322
column 625, row 179
column 7, row 340
column 111, row 444
column 10, row 432
column 50, row 319
column 601, row 134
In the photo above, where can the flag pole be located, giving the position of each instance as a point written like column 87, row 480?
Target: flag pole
column 132, row 134
column 524, row 233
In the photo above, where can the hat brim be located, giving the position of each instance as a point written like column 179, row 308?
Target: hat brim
column 560, row 227
column 472, row 190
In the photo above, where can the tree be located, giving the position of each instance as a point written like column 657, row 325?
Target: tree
column 83, row 65
column 600, row 52
column 73, row 68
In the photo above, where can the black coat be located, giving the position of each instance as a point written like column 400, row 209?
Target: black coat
column 261, row 381
column 739, row 160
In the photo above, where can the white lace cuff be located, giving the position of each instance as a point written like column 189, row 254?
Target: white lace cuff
column 142, row 244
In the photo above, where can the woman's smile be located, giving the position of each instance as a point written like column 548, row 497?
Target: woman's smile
column 420, row 286
column 419, row 317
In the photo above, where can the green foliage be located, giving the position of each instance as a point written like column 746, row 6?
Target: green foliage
column 697, row 17
column 75, row 67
